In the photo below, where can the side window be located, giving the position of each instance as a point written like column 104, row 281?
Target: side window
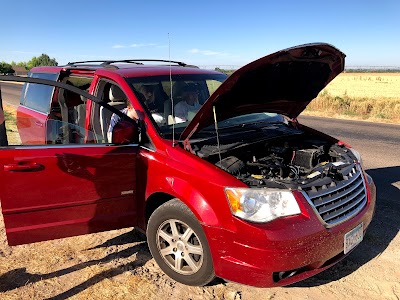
column 102, row 119
column 66, row 120
column 153, row 96
column 37, row 96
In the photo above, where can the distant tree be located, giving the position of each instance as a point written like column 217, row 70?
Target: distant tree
column 227, row 72
column 42, row 60
column 5, row 68
column 23, row 64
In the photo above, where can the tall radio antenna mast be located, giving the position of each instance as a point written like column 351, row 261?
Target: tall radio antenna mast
column 172, row 97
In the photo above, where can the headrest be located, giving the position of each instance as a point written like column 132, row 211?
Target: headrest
column 190, row 88
column 116, row 94
column 148, row 88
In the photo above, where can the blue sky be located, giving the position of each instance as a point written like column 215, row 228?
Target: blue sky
column 206, row 33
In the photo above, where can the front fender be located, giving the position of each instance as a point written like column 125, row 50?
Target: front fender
column 190, row 179
column 193, row 198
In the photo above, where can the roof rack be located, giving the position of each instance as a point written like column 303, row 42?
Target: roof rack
column 106, row 63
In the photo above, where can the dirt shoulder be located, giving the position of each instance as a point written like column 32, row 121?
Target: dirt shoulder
column 118, row 265
column 332, row 115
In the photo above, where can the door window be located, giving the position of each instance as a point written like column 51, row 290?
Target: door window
column 67, row 118
column 37, row 96
column 102, row 119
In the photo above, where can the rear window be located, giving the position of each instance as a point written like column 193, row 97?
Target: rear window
column 38, row 96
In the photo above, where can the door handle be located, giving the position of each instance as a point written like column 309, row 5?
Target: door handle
column 38, row 123
column 23, row 167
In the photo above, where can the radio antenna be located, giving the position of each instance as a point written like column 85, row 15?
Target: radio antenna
column 216, row 131
column 172, row 96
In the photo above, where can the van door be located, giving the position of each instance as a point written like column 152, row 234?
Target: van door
column 51, row 191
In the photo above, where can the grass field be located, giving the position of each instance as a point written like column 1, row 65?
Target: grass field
column 366, row 96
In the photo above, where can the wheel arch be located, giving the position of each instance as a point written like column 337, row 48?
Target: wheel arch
column 188, row 194
column 154, row 201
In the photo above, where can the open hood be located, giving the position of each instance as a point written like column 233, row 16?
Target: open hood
column 284, row 82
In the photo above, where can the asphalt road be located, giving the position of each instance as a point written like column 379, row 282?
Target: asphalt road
column 379, row 144
column 10, row 92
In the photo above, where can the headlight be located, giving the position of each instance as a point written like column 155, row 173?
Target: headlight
column 261, row 205
column 357, row 155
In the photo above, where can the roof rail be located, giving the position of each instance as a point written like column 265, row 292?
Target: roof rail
column 105, row 63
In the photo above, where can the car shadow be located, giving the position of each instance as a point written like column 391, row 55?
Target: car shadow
column 384, row 227
column 19, row 277
column 123, row 239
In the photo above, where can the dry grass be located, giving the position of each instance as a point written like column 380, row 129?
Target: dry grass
column 366, row 96
column 369, row 85
column 10, row 113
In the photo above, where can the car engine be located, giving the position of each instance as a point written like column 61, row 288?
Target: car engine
column 282, row 157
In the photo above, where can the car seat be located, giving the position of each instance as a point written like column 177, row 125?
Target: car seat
column 118, row 100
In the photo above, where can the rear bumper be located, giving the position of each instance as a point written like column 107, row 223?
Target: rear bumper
column 284, row 251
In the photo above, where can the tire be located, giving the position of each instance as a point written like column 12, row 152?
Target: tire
column 179, row 245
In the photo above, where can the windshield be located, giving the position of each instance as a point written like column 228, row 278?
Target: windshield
column 250, row 119
column 235, row 124
column 189, row 92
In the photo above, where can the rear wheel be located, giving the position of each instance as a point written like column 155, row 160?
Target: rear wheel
column 179, row 245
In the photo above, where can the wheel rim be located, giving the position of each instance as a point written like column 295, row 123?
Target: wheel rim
column 180, row 247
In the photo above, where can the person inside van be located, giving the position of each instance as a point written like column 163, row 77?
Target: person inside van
column 151, row 101
column 154, row 105
column 189, row 105
column 129, row 111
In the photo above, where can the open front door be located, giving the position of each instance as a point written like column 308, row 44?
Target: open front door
column 59, row 190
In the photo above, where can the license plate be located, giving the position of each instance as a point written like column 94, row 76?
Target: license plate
column 353, row 238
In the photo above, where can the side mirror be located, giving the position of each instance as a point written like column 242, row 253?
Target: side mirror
column 125, row 132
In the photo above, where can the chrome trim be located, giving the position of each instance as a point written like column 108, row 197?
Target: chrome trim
column 331, row 199
column 350, row 207
column 348, row 181
column 340, row 204
column 37, row 111
column 363, row 201
column 148, row 149
column 341, row 220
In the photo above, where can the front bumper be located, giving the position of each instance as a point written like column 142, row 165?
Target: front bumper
column 283, row 251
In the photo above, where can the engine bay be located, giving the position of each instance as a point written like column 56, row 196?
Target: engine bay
column 279, row 156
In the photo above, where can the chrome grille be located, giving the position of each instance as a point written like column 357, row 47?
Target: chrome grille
column 341, row 200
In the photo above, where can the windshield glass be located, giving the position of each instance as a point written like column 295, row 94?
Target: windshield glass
column 250, row 119
column 189, row 92
column 235, row 124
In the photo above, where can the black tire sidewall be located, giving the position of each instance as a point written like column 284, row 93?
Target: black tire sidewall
column 175, row 209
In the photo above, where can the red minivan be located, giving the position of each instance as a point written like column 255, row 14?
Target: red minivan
column 217, row 171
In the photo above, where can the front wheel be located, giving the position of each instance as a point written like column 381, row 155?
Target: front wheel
column 179, row 245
